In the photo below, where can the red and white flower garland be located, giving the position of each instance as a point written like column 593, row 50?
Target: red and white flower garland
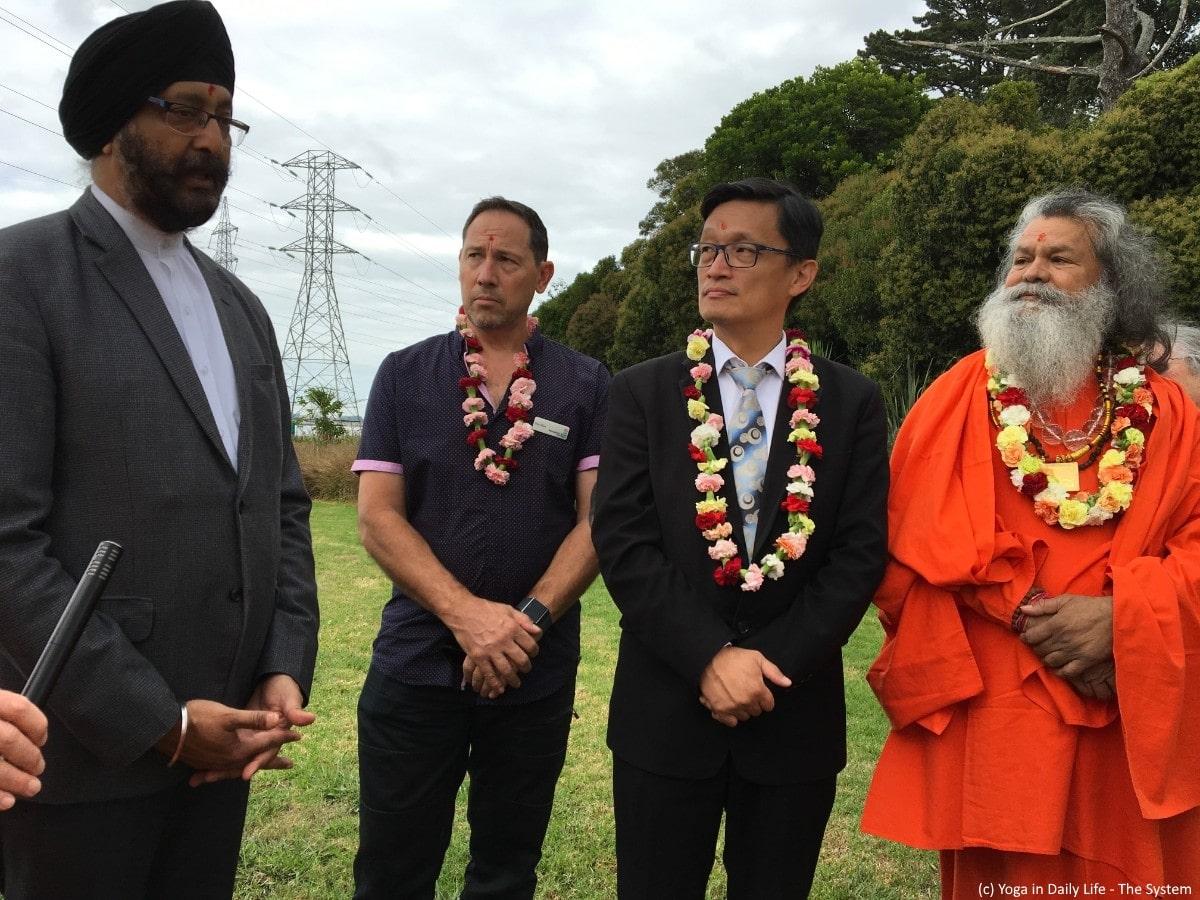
column 496, row 466
column 711, row 511
column 1118, row 468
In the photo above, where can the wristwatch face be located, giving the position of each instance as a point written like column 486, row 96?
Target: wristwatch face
column 536, row 610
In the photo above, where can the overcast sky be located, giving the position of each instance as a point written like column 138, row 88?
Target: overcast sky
column 566, row 106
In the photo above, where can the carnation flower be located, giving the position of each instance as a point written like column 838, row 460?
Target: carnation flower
column 753, row 578
column 718, row 531
column 722, row 549
column 706, row 482
column 1072, row 513
column 524, row 386
column 701, row 371
column 1128, row 376
column 705, row 436
column 697, row 346
column 472, row 419
column 1014, row 415
column 495, row 474
column 792, row 546
column 485, row 456
column 772, row 566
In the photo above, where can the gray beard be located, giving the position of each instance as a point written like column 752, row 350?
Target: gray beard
column 1050, row 346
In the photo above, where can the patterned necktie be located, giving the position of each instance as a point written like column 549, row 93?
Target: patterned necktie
column 748, row 445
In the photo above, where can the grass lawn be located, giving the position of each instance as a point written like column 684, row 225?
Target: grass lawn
column 302, row 829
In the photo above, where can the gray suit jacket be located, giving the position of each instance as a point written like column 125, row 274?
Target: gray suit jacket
column 105, row 433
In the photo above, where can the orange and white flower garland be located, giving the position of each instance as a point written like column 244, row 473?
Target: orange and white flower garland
column 1118, row 468
column 711, row 511
column 497, row 467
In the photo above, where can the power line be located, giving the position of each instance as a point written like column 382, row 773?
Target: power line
column 407, row 243
column 246, row 93
column 29, row 122
column 38, row 174
column 34, row 36
column 27, row 97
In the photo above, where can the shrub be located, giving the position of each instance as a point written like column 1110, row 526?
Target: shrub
column 325, row 466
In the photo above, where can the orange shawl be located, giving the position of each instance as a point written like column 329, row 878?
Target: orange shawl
column 950, row 560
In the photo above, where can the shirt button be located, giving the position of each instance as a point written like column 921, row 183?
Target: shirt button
column 743, row 627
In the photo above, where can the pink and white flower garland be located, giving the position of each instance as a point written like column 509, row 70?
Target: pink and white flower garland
column 498, row 467
column 711, row 511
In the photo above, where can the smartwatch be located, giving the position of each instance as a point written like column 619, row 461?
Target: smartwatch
column 537, row 611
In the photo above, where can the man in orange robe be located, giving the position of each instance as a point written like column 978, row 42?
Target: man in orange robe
column 1041, row 668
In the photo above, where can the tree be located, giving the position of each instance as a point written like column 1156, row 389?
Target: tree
column 321, row 408
column 556, row 312
column 1082, row 54
column 814, row 132
column 679, row 183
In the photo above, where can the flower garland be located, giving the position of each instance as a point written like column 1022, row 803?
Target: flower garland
column 710, row 512
column 497, row 467
column 1052, row 502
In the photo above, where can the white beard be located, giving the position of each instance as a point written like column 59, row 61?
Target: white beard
column 1048, row 346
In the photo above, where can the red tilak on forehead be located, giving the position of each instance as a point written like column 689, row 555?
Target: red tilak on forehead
column 1041, row 236
column 722, row 226
column 211, row 88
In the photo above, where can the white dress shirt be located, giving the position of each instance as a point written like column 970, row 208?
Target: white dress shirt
column 174, row 272
column 767, row 390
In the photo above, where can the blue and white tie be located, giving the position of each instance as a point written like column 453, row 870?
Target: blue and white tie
column 748, row 448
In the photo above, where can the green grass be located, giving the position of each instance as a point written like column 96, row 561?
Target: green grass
column 302, row 829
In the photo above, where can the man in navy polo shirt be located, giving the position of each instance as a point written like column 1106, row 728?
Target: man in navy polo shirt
column 477, row 463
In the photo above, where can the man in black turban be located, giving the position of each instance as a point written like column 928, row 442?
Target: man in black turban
column 155, row 414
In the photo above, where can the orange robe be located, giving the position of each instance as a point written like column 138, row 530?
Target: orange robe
column 992, row 758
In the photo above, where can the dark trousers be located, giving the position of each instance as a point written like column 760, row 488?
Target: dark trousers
column 414, row 746
column 177, row 844
column 667, row 834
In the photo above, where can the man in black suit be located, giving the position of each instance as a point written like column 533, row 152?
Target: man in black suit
column 145, row 403
column 728, row 694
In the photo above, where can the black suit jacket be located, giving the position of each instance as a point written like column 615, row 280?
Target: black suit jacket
column 108, row 434
column 674, row 617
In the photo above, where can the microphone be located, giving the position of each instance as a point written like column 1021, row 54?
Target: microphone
column 71, row 623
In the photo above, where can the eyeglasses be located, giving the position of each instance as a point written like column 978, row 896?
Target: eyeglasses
column 190, row 121
column 742, row 255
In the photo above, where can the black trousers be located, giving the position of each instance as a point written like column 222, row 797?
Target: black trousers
column 177, row 844
column 414, row 746
column 667, row 834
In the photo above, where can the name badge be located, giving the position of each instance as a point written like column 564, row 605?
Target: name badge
column 545, row 426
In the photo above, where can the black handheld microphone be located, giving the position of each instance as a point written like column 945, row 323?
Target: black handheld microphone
column 71, row 623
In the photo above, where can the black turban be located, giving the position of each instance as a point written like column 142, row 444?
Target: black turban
column 135, row 57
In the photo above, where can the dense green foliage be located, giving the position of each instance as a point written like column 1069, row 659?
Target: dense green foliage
column 915, row 225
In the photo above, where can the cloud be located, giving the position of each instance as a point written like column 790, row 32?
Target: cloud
column 567, row 106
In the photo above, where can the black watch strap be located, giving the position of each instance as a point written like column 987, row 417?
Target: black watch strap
column 536, row 610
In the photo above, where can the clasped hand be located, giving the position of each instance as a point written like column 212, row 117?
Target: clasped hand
column 500, row 644
column 223, row 742
column 736, row 685
column 1072, row 635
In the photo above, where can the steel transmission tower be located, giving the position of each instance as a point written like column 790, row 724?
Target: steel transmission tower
column 223, row 236
column 315, row 353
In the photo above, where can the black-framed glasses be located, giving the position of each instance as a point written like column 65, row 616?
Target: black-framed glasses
column 739, row 255
column 190, row 121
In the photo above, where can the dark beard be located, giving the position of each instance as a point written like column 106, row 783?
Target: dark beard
column 155, row 186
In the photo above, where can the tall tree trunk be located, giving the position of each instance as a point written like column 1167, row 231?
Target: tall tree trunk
column 1120, row 38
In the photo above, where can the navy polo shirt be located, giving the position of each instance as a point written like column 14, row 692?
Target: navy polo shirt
column 496, row 540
